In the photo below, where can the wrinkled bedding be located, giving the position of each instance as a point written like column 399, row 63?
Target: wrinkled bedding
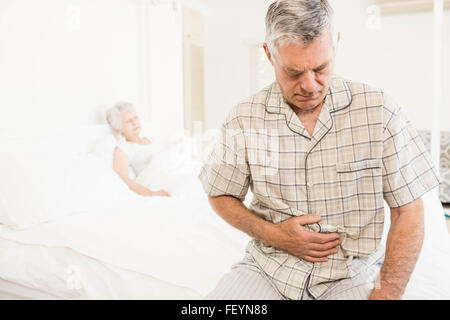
column 177, row 241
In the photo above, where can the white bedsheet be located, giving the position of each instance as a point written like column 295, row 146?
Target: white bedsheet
column 430, row 278
column 182, row 242
column 66, row 274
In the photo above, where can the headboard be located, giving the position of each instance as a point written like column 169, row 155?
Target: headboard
column 444, row 188
column 48, row 141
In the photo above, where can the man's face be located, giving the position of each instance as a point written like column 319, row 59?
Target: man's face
column 304, row 72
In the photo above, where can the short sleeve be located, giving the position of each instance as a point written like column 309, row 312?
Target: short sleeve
column 122, row 145
column 226, row 171
column 126, row 149
column 408, row 171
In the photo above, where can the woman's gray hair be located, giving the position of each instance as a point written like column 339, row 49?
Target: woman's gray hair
column 297, row 20
column 114, row 114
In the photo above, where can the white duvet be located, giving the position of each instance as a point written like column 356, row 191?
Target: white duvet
column 174, row 170
column 177, row 240
column 182, row 242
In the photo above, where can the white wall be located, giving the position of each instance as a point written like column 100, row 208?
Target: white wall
column 166, row 70
column 55, row 75
column 397, row 58
column 63, row 62
column 229, row 28
column 59, row 68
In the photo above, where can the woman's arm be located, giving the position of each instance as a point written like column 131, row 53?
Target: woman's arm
column 121, row 166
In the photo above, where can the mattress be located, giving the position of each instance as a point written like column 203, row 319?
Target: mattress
column 41, row 272
column 172, row 249
column 14, row 291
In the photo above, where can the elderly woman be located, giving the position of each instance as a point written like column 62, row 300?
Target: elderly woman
column 132, row 151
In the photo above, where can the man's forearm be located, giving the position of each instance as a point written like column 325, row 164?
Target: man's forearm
column 403, row 247
column 289, row 235
column 239, row 216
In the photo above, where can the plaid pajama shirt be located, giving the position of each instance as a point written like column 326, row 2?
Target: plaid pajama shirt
column 362, row 151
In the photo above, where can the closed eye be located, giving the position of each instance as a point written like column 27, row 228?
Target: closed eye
column 321, row 67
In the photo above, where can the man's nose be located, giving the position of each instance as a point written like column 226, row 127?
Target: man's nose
column 308, row 84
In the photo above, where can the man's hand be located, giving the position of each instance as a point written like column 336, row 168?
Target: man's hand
column 293, row 238
column 290, row 235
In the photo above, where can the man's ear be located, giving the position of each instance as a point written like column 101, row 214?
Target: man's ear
column 266, row 50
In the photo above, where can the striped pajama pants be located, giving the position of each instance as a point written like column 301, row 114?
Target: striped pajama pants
column 246, row 282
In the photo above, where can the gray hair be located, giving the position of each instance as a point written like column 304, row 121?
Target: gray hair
column 114, row 114
column 297, row 20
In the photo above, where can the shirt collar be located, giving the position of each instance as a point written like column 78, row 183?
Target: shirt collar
column 338, row 97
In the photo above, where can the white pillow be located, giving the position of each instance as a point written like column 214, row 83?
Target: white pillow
column 103, row 148
column 92, row 186
column 36, row 188
column 31, row 187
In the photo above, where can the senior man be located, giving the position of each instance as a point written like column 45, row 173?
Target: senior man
column 320, row 154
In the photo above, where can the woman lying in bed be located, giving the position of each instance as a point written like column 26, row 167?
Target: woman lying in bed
column 132, row 151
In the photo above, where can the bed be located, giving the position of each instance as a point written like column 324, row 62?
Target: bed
column 72, row 230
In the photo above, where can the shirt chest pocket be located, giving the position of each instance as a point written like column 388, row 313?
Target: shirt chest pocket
column 360, row 184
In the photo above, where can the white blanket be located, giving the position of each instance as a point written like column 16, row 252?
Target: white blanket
column 183, row 242
column 174, row 170
column 67, row 274
column 178, row 241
